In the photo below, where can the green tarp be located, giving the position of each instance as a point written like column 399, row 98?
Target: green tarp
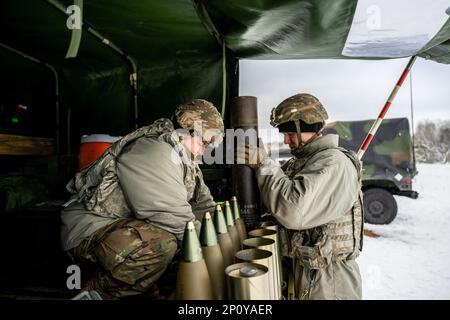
column 177, row 49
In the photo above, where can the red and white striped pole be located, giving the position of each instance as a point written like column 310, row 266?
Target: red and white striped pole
column 376, row 124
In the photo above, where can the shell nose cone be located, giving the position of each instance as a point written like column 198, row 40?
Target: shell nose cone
column 208, row 235
column 190, row 248
column 236, row 211
column 228, row 215
column 219, row 221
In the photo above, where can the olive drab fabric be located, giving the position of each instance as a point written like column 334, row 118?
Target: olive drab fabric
column 316, row 197
column 337, row 240
column 302, row 106
column 147, row 174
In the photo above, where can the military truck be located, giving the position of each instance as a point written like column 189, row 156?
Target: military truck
column 388, row 164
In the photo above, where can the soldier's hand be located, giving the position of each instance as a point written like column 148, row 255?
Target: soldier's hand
column 251, row 155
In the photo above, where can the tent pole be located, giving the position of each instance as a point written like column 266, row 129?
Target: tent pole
column 412, row 120
column 376, row 124
column 132, row 63
column 224, row 79
column 55, row 75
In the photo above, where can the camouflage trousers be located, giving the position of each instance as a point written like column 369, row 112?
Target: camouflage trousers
column 131, row 254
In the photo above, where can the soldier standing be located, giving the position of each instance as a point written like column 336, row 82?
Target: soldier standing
column 129, row 208
column 316, row 196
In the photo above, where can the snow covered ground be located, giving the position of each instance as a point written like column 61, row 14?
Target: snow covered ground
column 411, row 258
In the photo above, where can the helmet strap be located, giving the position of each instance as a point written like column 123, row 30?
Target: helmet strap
column 299, row 133
column 314, row 137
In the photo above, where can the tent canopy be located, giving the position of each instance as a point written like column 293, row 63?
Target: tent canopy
column 178, row 50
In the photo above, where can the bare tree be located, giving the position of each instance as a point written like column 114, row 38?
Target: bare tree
column 433, row 141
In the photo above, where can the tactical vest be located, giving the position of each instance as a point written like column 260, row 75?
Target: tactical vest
column 98, row 187
column 340, row 239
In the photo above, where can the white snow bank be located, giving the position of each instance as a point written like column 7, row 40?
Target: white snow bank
column 411, row 258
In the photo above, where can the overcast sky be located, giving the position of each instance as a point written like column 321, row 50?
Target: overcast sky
column 349, row 89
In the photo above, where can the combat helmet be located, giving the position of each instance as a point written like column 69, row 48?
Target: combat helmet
column 302, row 106
column 299, row 113
column 202, row 117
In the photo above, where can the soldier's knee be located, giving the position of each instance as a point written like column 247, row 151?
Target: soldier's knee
column 151, row 259
column 136, row 250
column 158, row 249
column 169, row 247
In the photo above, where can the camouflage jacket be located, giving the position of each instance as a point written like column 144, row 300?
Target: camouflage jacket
column 148, row 174
column 316, row 196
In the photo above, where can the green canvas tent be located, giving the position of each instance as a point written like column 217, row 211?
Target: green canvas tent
column 181, row 49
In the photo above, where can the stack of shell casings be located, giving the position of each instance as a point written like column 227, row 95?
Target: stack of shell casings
column 274, row 226
column 268, row 242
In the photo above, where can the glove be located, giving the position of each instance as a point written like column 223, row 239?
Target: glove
column 251, row 155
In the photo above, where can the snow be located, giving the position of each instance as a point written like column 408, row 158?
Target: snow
column 411, row 258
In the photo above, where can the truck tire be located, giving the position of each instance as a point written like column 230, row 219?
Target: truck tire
column 380, row 206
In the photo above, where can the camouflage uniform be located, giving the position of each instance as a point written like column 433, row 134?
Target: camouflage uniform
column 316, row 197
column 132, row 253
column 131, row 205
